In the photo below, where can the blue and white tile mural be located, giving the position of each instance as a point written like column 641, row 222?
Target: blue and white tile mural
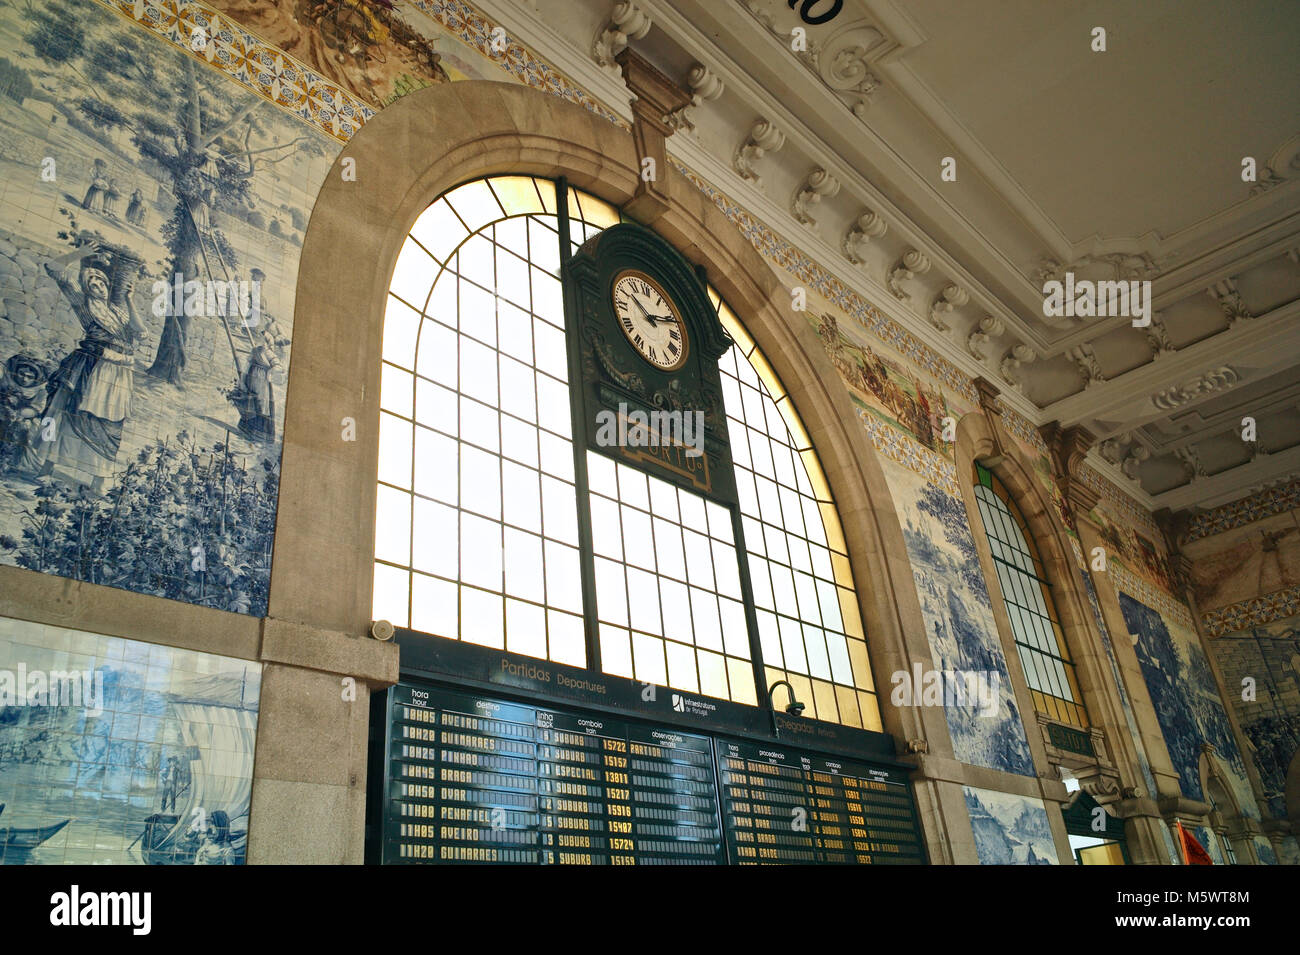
column 1143, row 762
column 959, row 618
column 1009, row 829
column 151, row 219
column 115, row 751
column 1186, row 701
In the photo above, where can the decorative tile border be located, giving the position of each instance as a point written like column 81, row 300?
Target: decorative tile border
column 1121, row 501
column 910, row 453
column 252, row 63
column 1252, row 613
column 1247, row 510
column 1171, row 608
column 475, row 30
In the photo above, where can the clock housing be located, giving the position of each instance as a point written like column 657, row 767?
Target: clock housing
column 623, row 382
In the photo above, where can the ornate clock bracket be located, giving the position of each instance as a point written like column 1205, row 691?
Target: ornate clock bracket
column 655, row 98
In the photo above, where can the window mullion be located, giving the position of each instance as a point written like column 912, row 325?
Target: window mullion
column 578, row 412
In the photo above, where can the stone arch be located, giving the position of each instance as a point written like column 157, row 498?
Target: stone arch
column 980, row 439
column 413, row 151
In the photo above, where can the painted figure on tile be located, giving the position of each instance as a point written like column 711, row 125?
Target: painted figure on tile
column 255, row 398
column 22, row 396
column 90, row 393
column 135, row 209
column 94, row 201
column 111, row 198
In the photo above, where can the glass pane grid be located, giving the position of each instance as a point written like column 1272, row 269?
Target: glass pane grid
column 801, row 584
column 1039, row 639
column 668, row 590
column 476, row 530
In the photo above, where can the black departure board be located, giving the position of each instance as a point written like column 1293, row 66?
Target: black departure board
column 475, row 780
column 788, row 806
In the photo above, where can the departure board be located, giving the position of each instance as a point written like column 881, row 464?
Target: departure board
column 474, row 780
column 786, row 806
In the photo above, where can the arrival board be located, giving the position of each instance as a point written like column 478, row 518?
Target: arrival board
column 475, row 780
column 789, row 806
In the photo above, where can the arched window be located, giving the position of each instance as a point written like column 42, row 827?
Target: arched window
column 481, row 534
column 1039, row 639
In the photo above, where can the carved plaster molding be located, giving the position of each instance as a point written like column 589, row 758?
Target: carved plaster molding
column 1158, row 336
column 1218, row 379
column 1225, row 293
column 1086, row 362
column 763, row 138
column 626, row 22
column 1015, row 358
column 706, row 86
column 989, row 328
column 913, row 263
column 868, row 226
column 818, row 185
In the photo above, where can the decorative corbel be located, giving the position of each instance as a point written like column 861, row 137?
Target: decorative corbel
column 950, row 297
column 1191, row 462
column 655, row 97
column 1158, row 336
column 913, row 263
column 626, row 22
column 763, row 138
column 1017, row 356
column 1131, row 466
column 989, row 328
column 818, row 185
column 705, row 87
column 867, row 227
column 1066, row 450
column 1225, row 293
column 1086, row 362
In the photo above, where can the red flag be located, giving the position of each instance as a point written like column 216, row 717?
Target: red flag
column 1193, row 852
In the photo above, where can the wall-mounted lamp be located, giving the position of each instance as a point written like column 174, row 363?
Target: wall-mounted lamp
column 794, row 707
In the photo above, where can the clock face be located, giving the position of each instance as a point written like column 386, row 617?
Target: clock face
column 650, row 320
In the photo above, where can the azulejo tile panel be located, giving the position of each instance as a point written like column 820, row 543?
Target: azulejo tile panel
column 120, row 752
column 147, row 285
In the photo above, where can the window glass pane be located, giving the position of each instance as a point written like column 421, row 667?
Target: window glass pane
column 413, row 274
column 391, row 595
column 616, row 652
column 433, row 606
column 439, row 230
column 475, row 204
column 435, row 406
column 525, row 629
column 649, row 655
column 401, row 325
column 482, row 619
column 434, row 536
column 567, row 642
column 393, row 525
column 395, row 390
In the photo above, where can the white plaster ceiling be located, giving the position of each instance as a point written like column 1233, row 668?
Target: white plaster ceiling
column 1118, row 164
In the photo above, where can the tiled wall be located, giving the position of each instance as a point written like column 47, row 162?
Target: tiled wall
column 148, row 761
